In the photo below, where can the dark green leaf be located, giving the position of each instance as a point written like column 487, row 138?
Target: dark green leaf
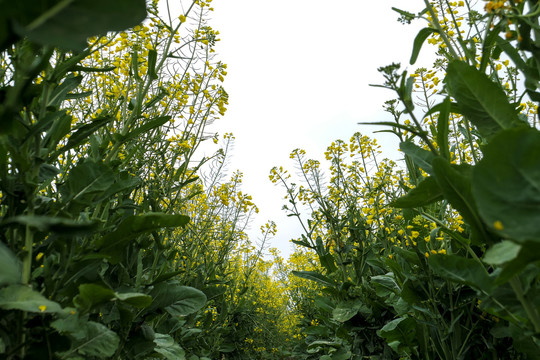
column 461, row 270
column 91, row 295
column 53, row 224
column 68, row 26
column 114, row 242
column 529, row 253
column 506, row 184
column 421, row 157
column 152, row 58
column 419, row 41
column 22, row 297
column 455, row 183
column 83, row 133
column 137, row 300
column 482, row 101
column 314, row 276
column 400, row 334
column 501, row 253
column 442, row 128
column 177, row 300
column 427, row 192
column 347, row 310
column 146, row 127
column 11, row 267
column 93, row 340
column 166, row 346
column 60, row 92
column 86, row 181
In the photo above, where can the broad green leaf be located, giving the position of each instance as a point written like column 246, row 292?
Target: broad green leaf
column 384, row 285
column 314, row 276
column 177, row 300
column 114, row 242
column 461, row 270
column 419, row 41
column 47, row 172
column 501, row 253
column 93, row 340
column 427, row 192
column 91, row 295
column 347, row 310
column 53, row 224
column 529, row 253
column 421, row 157
column 86, row 181
column 11, row 267
column 482, row 101
column 506, row 184
column 400, row 334
column 166, row 346
column 455, row 183
column 137, row 300
column 22, row 297
column 68, row 24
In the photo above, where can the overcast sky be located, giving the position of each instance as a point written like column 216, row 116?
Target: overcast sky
column 298, row 75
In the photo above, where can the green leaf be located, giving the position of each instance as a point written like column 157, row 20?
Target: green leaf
column 513, row 54
column 529, row 253
column 501, row 253
column 421, row 157
column 427, row 192
column 461, row 270
column 177, row 300
column 166, row 346
column 68, row 24
column 91, row 295
column 400, row 334
column 114, row 242
column 137, row 300
column 482, row 101
column 83, row 133
column 92, row 340
column 384, row 285
column 347, row 310
column 22, row 297
column 11, row 267
column 52, row 224
column 86, row 181
column 59, row 94
column 442, row 128
column 146, row 127
column 455, row 183
column 314, row 276
column 152, row 58
column 419, row 41
column 506, row 184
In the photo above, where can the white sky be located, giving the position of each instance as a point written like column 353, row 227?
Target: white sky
column 298, row 75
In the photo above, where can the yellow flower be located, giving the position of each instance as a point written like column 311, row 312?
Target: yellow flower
column 182, row 18
column 42, row 308
column 498, row 225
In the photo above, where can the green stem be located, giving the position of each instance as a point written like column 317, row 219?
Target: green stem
column 27, row 261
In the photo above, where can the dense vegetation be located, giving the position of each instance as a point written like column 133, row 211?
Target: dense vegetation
column 118, row 240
